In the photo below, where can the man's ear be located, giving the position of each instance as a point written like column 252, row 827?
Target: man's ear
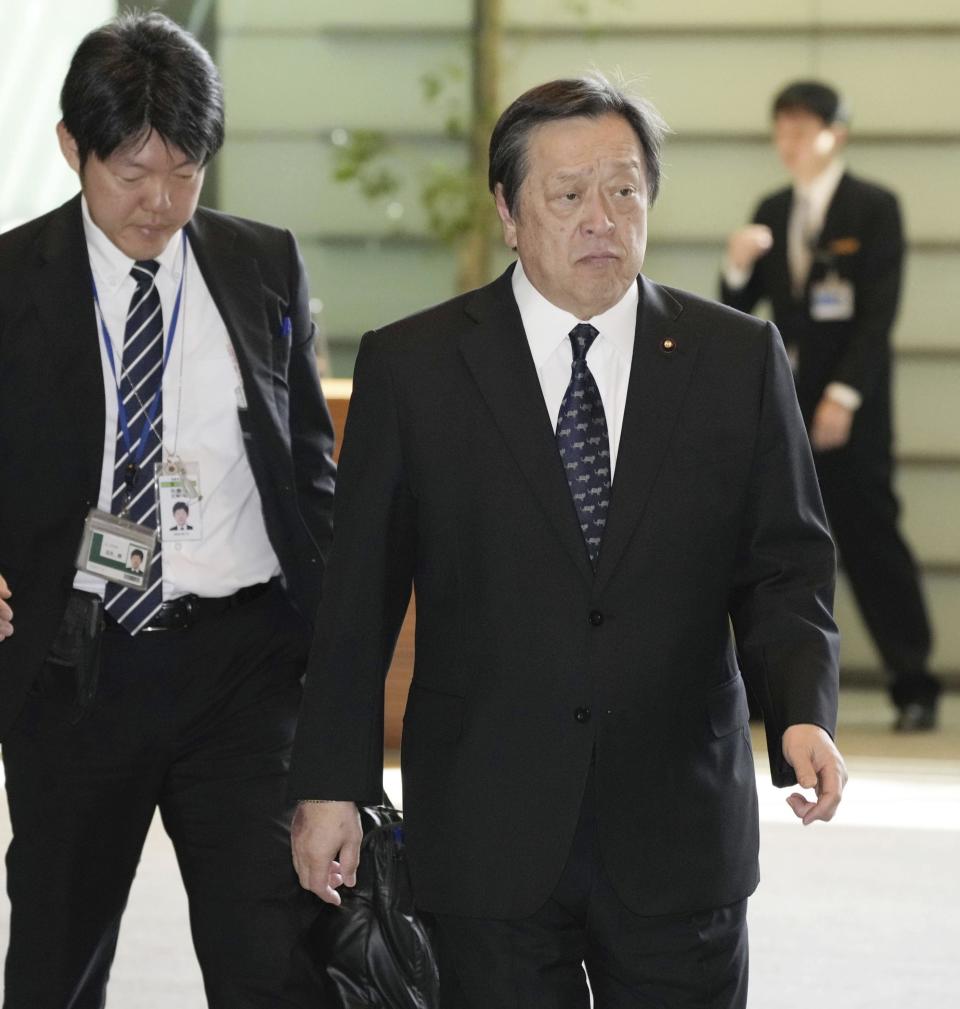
column 506, row 218
column 841, row 133
column 68, row 147
column 831, row 139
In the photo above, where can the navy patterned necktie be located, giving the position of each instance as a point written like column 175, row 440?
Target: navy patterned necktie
column 584, row 444
column 140, row 383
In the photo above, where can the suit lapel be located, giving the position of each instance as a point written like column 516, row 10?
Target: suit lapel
column 236, row 286
column 664, row 355
column 498, row 356
column 835, row 225
column 833, row 219
column 62, row 290
column 779, row 266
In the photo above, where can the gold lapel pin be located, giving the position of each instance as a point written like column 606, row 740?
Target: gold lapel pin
column 844, row 246
column 667, row 345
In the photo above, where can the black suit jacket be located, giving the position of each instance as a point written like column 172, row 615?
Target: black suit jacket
column 52, row 412
column 529, row 665
column 862, row 240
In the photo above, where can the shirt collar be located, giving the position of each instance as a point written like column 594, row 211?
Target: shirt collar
column 547, row 326
column 819, row 191
column 111, row 266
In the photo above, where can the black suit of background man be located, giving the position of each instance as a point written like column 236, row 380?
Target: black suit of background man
column 194, row 714
column 861, row 243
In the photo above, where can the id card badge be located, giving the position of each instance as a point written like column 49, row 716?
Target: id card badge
column 178, row 497
column 832, row 299
column 116, row 549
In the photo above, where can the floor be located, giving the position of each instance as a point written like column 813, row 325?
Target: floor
column 863, row 913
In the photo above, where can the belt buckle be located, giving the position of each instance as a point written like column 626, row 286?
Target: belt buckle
column 173, row 615
column 190, row 610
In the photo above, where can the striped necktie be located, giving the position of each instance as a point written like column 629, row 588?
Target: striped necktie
column 584, row 444
column 138, row 442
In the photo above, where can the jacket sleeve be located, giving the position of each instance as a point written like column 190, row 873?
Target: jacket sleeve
column 338, row 753
column 782, row 601
column 877, row 295
column 311, row 429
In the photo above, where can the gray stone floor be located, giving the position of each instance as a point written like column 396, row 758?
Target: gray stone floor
column 863, row 913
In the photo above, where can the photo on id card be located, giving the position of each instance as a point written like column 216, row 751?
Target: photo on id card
column 178, row 497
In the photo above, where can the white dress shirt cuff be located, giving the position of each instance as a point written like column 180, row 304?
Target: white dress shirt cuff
column 845, row 395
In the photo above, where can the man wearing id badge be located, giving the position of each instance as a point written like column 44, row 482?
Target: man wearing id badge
column 827, row 253
column 165, row 453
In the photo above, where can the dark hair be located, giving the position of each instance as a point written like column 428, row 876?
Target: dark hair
column 592, row 96
column 180, row 506
column 141, row 73
column 812, row 96
column 136, row 553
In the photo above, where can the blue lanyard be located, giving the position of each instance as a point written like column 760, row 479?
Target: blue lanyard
column 151, row 410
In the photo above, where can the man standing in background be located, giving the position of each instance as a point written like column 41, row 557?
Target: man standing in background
column 154, row 355
column 827, row 252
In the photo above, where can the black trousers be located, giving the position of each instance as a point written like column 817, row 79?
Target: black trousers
column 199, row 723
column 682, row 961
column 856, row 484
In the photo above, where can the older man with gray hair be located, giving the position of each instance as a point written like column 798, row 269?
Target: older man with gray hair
column 590, row 479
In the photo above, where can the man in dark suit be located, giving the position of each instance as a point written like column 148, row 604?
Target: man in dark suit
column 827, row 252
column 146, row 343
column 587, row 477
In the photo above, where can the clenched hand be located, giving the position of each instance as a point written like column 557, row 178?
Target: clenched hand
column 817, row 763
column 326, row 840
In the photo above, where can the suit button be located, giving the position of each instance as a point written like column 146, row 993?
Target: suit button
column 596, row 618
column 582, row 715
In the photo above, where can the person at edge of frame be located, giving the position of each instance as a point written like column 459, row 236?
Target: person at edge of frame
column 137, row 331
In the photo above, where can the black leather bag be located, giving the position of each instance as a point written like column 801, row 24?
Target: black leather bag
column 376, row 948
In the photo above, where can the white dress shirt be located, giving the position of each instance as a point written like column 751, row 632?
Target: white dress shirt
column 200, row 424
column 818, row 193
column 609, row 357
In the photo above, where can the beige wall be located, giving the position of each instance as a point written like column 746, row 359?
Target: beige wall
column 298, row 71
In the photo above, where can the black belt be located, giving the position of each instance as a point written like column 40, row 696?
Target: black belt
column 185, row 611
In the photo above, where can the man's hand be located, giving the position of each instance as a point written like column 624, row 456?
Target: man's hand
column 817, row 763
column 831, row 425
column 746, row 245
column 326, row 847
column 6, row 614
